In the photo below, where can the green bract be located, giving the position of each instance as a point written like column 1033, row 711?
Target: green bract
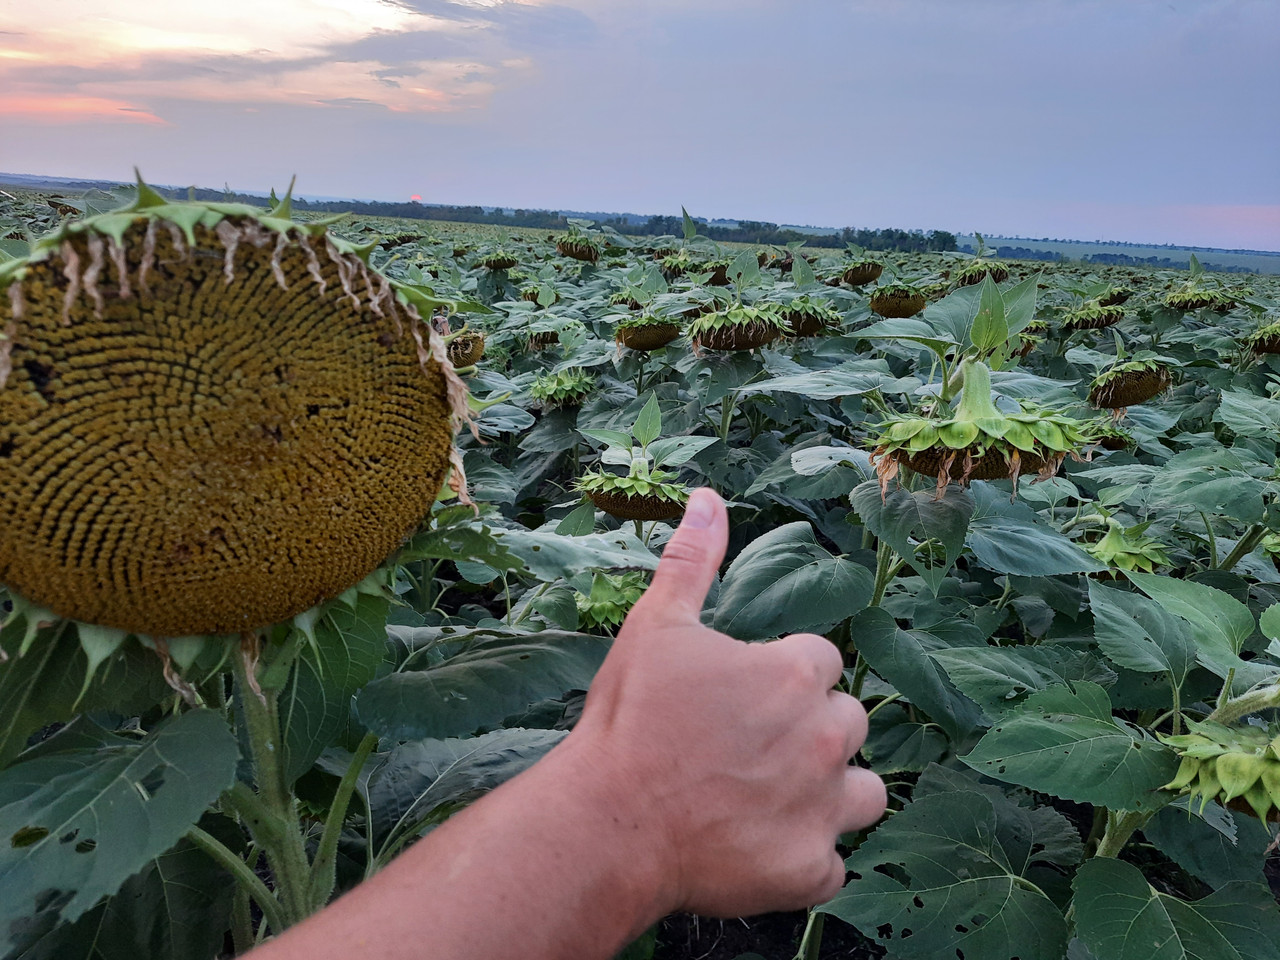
column 1195, row 296
column 1220, row 762
column 611, row 598
column 738, row 327
column 977, row 441
column 1130, row 382
column 1266, row 339
column 976, row 270
column 567, row 388
column 1092, row 316
column 1124, row 549
column 642, row 494
column 808, row 316
column 498, row 260
column 577, row 246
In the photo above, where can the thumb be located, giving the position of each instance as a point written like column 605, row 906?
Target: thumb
column 690, row 559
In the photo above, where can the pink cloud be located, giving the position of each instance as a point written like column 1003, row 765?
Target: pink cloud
column 56, row 108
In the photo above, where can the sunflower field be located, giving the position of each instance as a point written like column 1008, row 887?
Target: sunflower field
column 316, row 530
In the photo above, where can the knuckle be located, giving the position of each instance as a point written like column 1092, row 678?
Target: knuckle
column 680, row 552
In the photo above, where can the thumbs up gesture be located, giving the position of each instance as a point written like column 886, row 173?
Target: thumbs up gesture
column 732, row 759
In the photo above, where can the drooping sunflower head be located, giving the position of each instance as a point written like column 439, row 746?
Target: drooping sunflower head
column 211, row 418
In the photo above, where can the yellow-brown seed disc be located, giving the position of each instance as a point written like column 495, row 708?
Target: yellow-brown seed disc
column 989, row 465
column 204, row 456
column 647, row 338
column 897, row 305
column 1130, row 388
column 638, row 506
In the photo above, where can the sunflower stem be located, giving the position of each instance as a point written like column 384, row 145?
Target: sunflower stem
column 283, row 843
column 247, row 880
column 1244, row 546
column 811, row 942
column 885, row 570
column 324, row 867
column 1255, row 700
column 1120, row 827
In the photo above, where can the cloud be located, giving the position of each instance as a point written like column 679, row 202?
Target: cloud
column 53, row 109
column 308, row 53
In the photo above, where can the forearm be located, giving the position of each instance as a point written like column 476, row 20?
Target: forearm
column 549, row 865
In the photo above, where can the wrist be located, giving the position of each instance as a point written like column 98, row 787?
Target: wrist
column 607, row 812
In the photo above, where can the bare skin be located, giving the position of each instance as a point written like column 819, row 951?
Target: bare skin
column 705, row 775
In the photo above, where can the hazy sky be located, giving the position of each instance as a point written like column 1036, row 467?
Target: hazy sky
column 1087, row 119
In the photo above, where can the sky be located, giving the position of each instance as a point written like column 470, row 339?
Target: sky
column 1124, row 120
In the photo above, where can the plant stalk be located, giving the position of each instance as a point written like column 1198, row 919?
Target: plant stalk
column 323, row 867
column 1244, row 546
column 284, row 847
column 885, row 571
column 811, row 942
column 1120, row 827
column 247, row 880
column 1247, row 703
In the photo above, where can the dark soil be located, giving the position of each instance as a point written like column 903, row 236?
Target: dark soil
column 773, row 936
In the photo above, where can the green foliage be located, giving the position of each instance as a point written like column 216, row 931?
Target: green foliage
column 1107, row 645
column 87, row 809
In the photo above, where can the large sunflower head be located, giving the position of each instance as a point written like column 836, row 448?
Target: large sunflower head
column 211, row 418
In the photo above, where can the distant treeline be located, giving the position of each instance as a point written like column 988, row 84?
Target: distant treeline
column 1117, row 259
column 1018, row 253
column 1163, row 263
column 756, row 231
column 747, row 231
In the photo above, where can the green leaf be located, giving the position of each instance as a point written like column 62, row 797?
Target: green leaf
column 745, row 268
column 848, row 379
column 1220, row 624
column 1204, row 849
column 1247, row 415
column 690, row 228
column 495, row 676
column 44, row 684
column 611, row 438
column 999, row 679
column 315, row 705
column 648, row 425
column 673, row 451
column 93, row 815
column 801, row 273
column 813, row 470
column 1065, row 742
column 580, row 521
column 488, row 480
column 1269, row 622
column 1009, row 538
column 919, row 330
column 902, row 517
column 1120, row 917
column 1138, row 634
column 550, row 556
column 1020, row 304
column 405, row 785
column 784, row 581
column 902, row 658
column 558, row 606
column 989, row 330
column 178, row 905
column 946, row 878
column 897, row 744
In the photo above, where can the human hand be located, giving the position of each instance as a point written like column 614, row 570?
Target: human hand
column 728, row 759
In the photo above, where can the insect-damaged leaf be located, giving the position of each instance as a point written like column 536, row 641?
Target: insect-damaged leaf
column 948, row 876
column 80, row 821
column 1064, row 741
